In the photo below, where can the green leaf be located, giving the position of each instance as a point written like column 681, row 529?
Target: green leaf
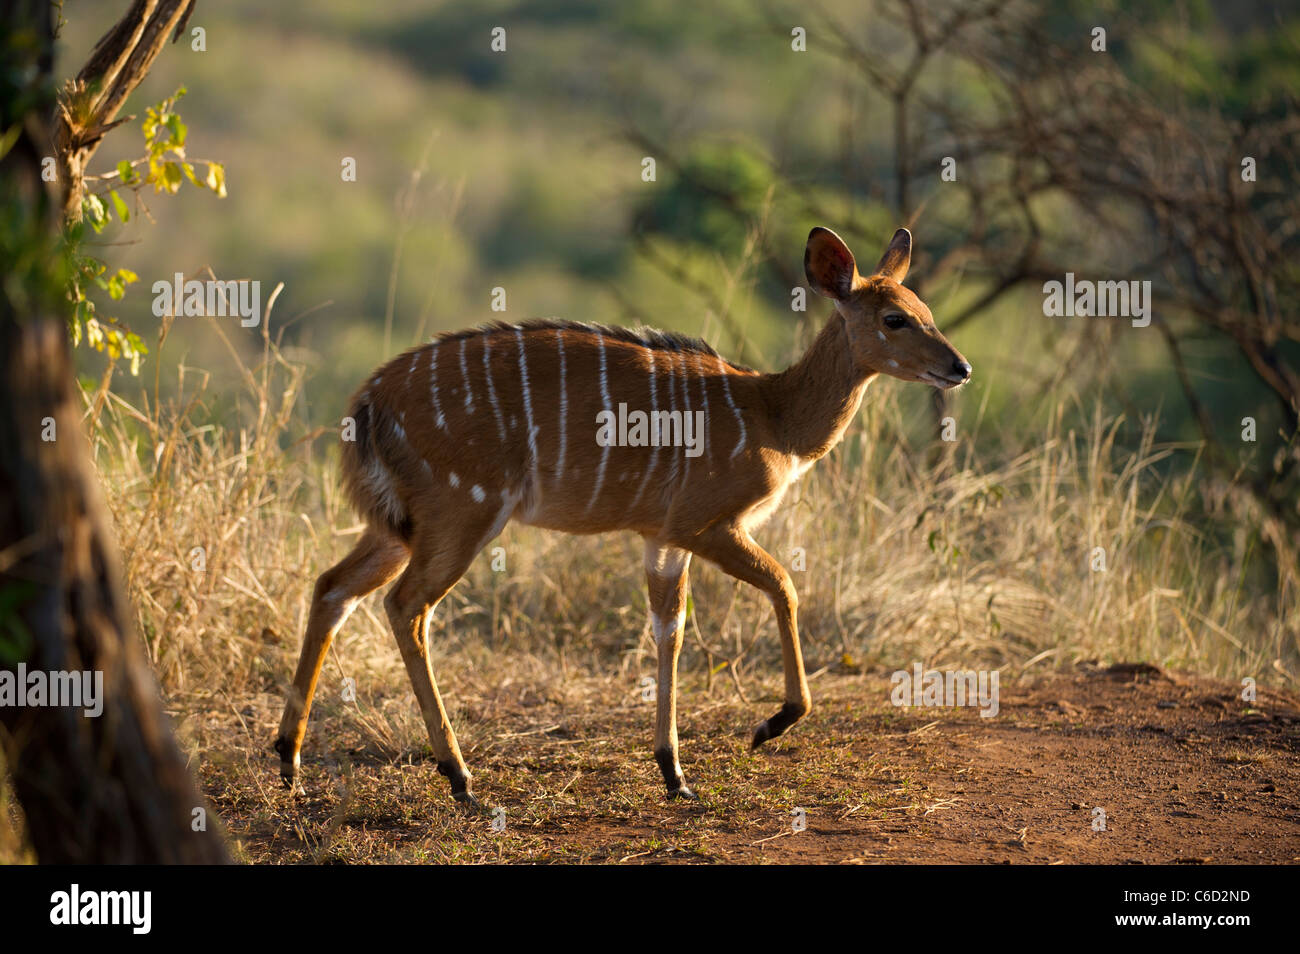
column 9, row 137
column 119, row 206
column 171, row 177
column 126, row 172
column 94, row 211
column 178, row 131
column 117, row 284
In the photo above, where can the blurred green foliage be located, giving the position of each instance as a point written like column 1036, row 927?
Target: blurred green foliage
column 533, row 181
column 163, row 166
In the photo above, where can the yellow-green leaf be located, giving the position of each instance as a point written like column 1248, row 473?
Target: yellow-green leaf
column 171, row 177
column 217, row 179
column 119, row 206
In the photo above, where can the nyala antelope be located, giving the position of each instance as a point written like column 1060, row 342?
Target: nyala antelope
column 456, row 437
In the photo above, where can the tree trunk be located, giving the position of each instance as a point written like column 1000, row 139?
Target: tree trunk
column 110, row 788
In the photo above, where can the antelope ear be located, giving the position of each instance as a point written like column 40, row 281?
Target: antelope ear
column 828, row 264
column 897, row 258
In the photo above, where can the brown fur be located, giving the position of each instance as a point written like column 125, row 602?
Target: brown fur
column 458, row 436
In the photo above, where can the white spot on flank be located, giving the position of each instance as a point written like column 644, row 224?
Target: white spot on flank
column 454, row 480
column 893, row 363
column 604, row 398
column 477, row 493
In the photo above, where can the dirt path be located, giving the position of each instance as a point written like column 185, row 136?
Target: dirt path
column 1184, row 770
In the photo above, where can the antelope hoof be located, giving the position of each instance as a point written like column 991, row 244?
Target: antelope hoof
column 288, row 764
column 460, row 784
column 469, row 801
column 790, row 713
column 672, row 773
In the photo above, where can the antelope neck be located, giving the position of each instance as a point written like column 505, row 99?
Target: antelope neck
column 813, row 401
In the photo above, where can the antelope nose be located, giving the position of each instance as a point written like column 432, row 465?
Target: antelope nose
column 962, row 369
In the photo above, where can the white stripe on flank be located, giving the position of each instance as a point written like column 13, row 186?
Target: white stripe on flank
column 433, row 388
column 528, row 408
column 686, row 415
column 604, row 397
column 672, row 406
column 464, row 373
column 477, row 493
column 564, row 409
column 704, row 432
column 454, row 480
column 492, row 391
column 740, row 421
column 654, row 455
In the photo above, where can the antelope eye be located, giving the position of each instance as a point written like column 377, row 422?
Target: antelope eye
column 895, row 320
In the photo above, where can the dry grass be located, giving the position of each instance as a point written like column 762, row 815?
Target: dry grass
column 979, row 552
column 976, row 554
